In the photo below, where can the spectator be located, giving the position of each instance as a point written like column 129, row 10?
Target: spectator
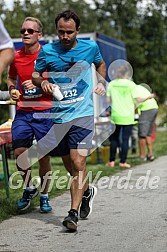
column 122, row 114
column 148, row 108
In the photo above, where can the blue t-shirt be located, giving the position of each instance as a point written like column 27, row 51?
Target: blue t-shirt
column 71, row 70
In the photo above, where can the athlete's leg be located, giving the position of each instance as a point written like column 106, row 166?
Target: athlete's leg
column 25, row 173
column 142, row 145
column 68, row 165
column 44, row 173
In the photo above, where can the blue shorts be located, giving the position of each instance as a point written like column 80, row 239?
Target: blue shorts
column 25, row 127
column 76, row 134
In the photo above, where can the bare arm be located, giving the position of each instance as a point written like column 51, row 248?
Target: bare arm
column 39, row 81
column 140, row 99
column 6, row 57
column 100, row 88
column 101, row 69
column 13, row 92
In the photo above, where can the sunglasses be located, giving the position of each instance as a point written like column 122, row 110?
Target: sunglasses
column 30, row 31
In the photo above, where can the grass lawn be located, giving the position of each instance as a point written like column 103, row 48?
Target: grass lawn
column 8, row 206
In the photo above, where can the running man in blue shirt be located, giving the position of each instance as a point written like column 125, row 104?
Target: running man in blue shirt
column 68, row 62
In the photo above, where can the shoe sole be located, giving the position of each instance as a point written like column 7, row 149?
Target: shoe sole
column 92, row 199
column 91, row 203
column 70, row 225
column 22, row 209
column 43, row 211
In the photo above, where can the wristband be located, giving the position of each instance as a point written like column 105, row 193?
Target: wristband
column 11, row 87
column 102, row 81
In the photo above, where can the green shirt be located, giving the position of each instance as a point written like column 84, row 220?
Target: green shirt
column 142, row 92
column 122, row 102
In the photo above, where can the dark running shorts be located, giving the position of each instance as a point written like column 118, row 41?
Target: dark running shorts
column 25, row 127
column 76, row 134
column 146, row 122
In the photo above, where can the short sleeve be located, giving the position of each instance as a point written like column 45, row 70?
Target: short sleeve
column 40, row 65
column 98, row 56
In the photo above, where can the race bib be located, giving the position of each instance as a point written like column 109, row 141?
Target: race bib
column 73, row 92
column 32, row 93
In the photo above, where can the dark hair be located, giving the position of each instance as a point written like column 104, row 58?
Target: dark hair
column 68, row 14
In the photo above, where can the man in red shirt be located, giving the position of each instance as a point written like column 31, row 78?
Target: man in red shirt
column 31, row 100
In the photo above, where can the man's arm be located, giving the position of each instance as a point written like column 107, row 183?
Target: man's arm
column 13, row 92
column 101, row 70
column 39, row 81
column 100, row 88
column 6, row 48
column 6, row 57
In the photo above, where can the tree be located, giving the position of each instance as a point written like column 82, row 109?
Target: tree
column 143, row 29
column 49, row 10
column 154, row 42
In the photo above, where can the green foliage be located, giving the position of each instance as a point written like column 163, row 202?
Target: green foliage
column 143, row 29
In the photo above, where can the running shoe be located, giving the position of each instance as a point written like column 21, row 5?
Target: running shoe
column 87, row 202
column 44, row 205
column 150, row 158
column 142, row 158
column 70, row 222
column 25, row 201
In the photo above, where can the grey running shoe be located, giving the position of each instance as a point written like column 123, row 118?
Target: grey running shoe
column 70, row 222
column 87, row 202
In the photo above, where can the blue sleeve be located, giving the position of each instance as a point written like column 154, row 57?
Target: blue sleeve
column 98, row 56
column 40, row 65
